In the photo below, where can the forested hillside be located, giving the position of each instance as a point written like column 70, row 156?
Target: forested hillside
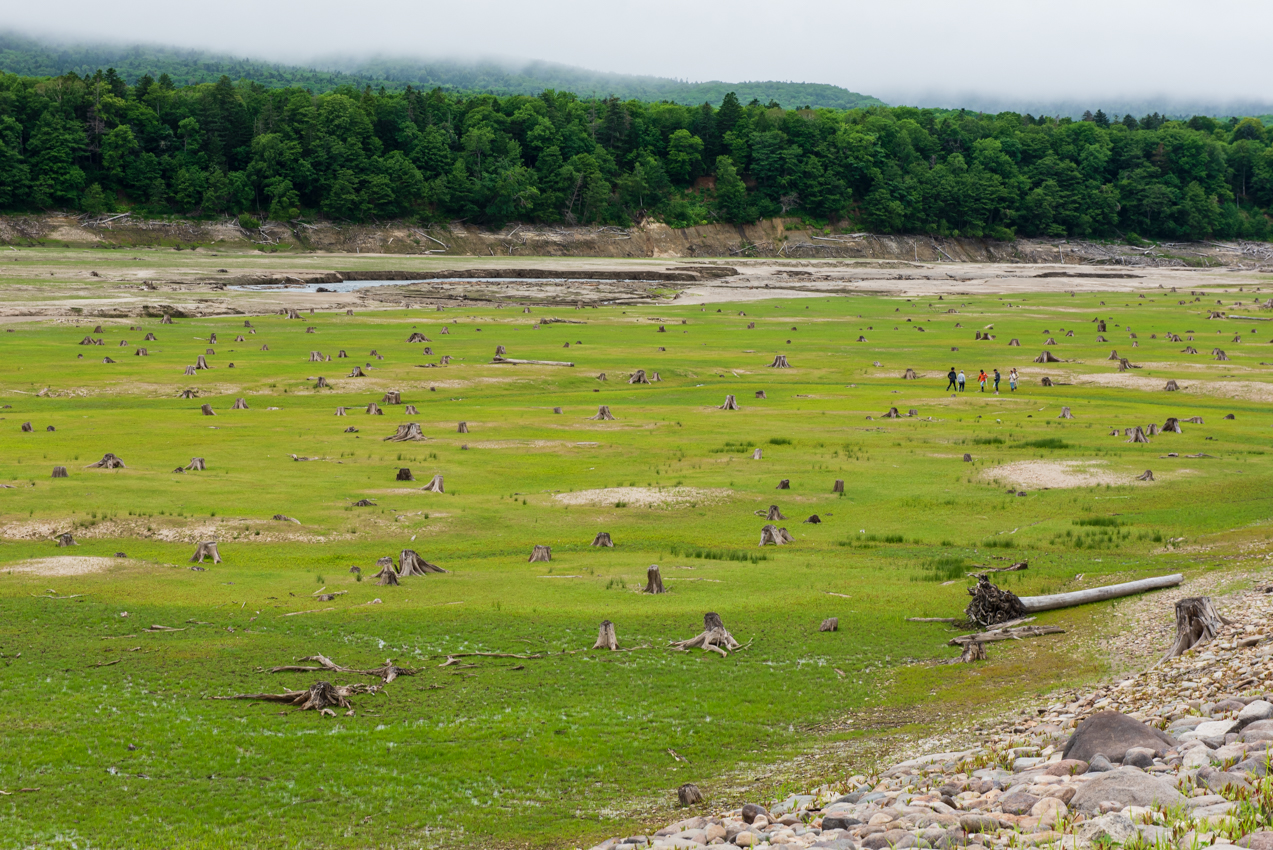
column 28, row 57
column 99, row 144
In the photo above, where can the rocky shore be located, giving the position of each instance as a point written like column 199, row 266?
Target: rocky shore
column 1176, row 756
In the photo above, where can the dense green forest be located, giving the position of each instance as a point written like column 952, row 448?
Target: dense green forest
column 28, row 57
column 98, row 144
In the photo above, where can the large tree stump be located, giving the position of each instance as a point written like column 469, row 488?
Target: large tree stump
column 761, row 394
column 462, row 428
column 201, row 362
column 714, row 637
column 773, row 514
column 1047, row 357
column 838, row 486
column 638, row 377
column 166, row 320
column 910, row 375
column 321, row 383
column 1197, row 623
column 404, row 474
column 653, row 580
column 757, row 454
column 356, row 373
column 892, row 414
column 197, row 464
column 689, row 795
column 1137, row 435
column 771, row 535
column 27, row 428
column 189, row 370
column 373, row 409
column 151, row 338
column 60, row 472
column 410, row 410
column 239, row 404
column 830, row 624
column 418, row 337
column 207, row 410
column 340, row 411
column 730, row 403
column 1065, row 414
column 780, row 362
column 386, row 577
column 1172, row 426
column 540, row 553
column 603, row 540
column 407, row 432
column 411, row 564
column 206, row 549
column 1147, row 475
column 603, row 413
column 392, row 397
column 606, row 638
column 435, row 485
column 66, row 539
column 1172, row 387
column 108, row 461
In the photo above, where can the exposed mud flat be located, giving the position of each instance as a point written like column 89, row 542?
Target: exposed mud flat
column 645, row 497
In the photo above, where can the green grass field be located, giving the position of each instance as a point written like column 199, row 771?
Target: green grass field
column 113, row 725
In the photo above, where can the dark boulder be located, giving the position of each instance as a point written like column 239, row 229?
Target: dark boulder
column 1112, row 734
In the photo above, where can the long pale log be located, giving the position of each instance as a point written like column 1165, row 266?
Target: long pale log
column 511, row 362
column 1098, row 594
column 1005, row 634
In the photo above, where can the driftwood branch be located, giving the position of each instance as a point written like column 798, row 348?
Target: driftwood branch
column 1005, row 634
column 1098, row 594
column 386, row 672
column 513, row 362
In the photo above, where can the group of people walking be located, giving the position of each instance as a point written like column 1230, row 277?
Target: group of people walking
column 958, row 381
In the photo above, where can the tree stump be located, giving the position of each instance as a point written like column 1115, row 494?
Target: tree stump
column 967, row 458
column 60, row 472
column 780, row 362
column 730, row 404
column 1045, row 381
column 606, row 638
column 603, row 540
column 1147, row 475
column 207, row 410
column 773, row 513
column 771, row 536
column 1065, row 414
column 603, row 414
column 654, row 378
column 392, row 397
column 638, row 377
column 1014, row 343
column 540, row 553
column 601, row 377
column 462, row 428
column 689, row 795
column 404, row 474
column 340, row 411
column 417, row 337
column 201, row 362
column 892, row 414
column 1196, row 420
column 151, row 338
column 27, row 428
column 1047, row 357
column 434, row 486
column 206, row 549
column 189, row 370
column 974, row 651
column 761, row 394
column 910, row 375
column 410, row 410
column 407, row 432
column 991, row 604
column 166, row 320
column 714, row 637
column 784, row 484
column 756, row 455
column 265, row 347
column 356, row 373
column 1197, row 623
column 197, row 464
column 556, row 410
column 66, row 540
column 373, row 409
column 108, row 461
column 830, row 624
column 239, row 404
column 1229, row 416
column 1137, row 435
column 411, row 564
column 653, row 580
column 321, row 384
column 386, row 577
column 814, row 519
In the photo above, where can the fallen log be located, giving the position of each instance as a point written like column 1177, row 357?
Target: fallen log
column 513, row 362
column 1098, row 594
column 386, row 672
column 1005, row 634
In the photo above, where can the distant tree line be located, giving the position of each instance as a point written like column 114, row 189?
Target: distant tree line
column 99, row 144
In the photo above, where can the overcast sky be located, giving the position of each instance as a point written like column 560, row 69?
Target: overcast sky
column 904, row 51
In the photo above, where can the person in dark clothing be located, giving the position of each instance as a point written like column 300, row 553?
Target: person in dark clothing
column 997, row 377
column 952, row 377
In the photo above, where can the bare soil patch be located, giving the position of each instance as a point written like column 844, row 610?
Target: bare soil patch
column 1057, row 474
column 645, row 497
column 67, row 565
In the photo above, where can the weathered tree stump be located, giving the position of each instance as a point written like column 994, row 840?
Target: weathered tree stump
column 410, row 410
column 373, row 409
column 606, row 638
column 60, row 472
column 1172, row 387
column 892, row 414
column 540, row 553
column 638, row 377
column 206, row 549
column 392, row 397
column 814, row 519
column 1047, row 357
column 784, row 484
column 1197, row 623
column 973, row 651
column 780, row 362
column 321, row 384
column 356, row 373
column 771, row 535
column 689, row 795
column 66, row 539
column 435, row 485
column 603, row 540
column 714, row 637
column 189, row 370
column 653, row 580
column 239, row 404
column 830, row 624
column 108, row 461
column 151, row 338
column 910, row 375
column 757, row 454
column 386, row 577
column 207, row 410
column 27, row 427
column 462, row 428
column 1137, row 435
column 1065, row 414
column 407, row 432
column 411, row 564
column 404, row 474
column 201, row 362
column 557, row 410
column 603, row 413
column 197, row 464
column 838, row 486
column 1147, row 475
column 991, row 604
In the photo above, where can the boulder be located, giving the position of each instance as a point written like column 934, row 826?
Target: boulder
column 1257, row 841
column 976, row 823
column 1141, row 757
column 1017, row 802
column 1112, row 734
column 1067, row 767
column 1258, row 711
column 751, row 811
column 1099, row 764
column 1128, row 787
column 1107, row 829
